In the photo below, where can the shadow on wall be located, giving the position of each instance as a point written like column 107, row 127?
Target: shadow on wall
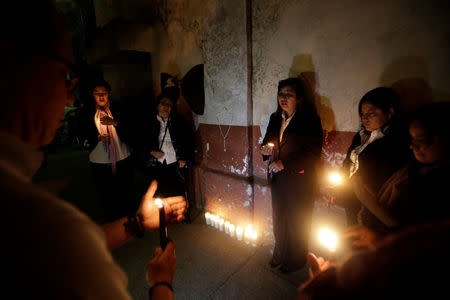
column 303, row 68
column 409, row 77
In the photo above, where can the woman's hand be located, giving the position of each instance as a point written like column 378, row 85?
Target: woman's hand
column 181, row 163
column 106, row 120
column 317, row 264
column 161, row 267
column 157, row 154
column 266, row 150
column 103, row 137
column 276, row 166
column 362, row 236
column 174, row 208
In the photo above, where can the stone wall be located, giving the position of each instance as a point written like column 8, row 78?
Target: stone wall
column 341, row 49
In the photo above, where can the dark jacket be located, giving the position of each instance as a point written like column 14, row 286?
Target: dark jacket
column 381, row 158
column 90, row 133
column 377, row 162
column 301, row 145
column 182, row 139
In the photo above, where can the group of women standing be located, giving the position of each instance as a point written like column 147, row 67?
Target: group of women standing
column 385, row 184
column 159, row 148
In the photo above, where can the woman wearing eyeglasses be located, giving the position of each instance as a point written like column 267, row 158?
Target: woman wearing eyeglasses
column 109, row 155
column 166, row 147
column 292, row 144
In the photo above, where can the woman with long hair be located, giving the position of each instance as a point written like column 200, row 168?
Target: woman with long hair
column 293, row 145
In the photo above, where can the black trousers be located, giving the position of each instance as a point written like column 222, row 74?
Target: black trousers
column 292, row 208
column 116, row 190
column 170, row 178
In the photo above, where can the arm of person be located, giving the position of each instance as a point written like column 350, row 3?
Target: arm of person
column 161, row 271
column 369, row 200
column 270, row 137
column 148, row 217
column 307, row 142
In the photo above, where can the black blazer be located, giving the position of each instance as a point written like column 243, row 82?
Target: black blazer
column 89, row 131
column 182, row 139
column 381, row 158
column 301, row 146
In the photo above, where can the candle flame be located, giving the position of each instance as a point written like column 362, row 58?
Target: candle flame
column 159, row 202
column 335, row 178
column 270, row 144
column 328, row 238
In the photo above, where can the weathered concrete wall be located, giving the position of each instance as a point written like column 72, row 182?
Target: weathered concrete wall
column 349, row 47
column 341, row 48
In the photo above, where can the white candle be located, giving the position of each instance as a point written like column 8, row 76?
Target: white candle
column 221, row 221
column 328, row 238
column 254, row 237
column 231, row 228
column 247, row 233
column 208, row 218
column 212, row 219
column 216, row 222
column 227, row 227
column 239, row 231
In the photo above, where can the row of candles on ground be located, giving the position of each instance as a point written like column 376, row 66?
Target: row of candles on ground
column 249, row 235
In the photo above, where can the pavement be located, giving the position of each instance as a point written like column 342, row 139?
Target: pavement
column 210, row 264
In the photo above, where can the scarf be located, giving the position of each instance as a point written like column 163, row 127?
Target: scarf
column 109, row 146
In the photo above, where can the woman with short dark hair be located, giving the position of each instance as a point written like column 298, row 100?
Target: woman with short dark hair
column 109, row 155
column 166, row 148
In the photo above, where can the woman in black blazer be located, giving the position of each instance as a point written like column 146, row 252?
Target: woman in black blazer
column 168, row 145
column 378, row 150
column 293, row 145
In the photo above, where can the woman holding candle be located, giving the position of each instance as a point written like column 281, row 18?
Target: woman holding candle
column 108, row 137
column 414, row 194
column 296, row 133
column 378, row 150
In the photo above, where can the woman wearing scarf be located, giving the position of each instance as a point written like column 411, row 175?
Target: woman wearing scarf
column 109, row 156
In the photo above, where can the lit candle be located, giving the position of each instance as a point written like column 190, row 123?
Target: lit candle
column 335, row 178
column 216, row 221
column 227, row 227
column 208, row 218
column 254, row 237
column 231, row 228
column 239, row 231
column 221, row 222
column 248, row 233
column 212, row 219
column 271, row 145
column 162, row 224
column 329, row 239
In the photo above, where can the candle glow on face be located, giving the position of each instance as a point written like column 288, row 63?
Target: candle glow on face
column 328, row 238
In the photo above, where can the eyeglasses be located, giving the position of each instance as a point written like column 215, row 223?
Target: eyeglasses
column 100, row 94
column 71, row 75
column 285, row 95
